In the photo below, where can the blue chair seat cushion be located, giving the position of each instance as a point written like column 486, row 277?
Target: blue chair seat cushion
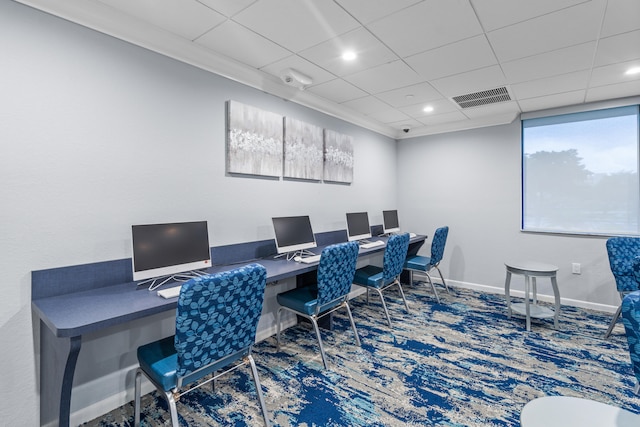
column 302, row 300
column 417, row 262
column 371, row 276
column 159, row 361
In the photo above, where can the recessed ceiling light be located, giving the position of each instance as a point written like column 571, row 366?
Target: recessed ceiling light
column 428, row 109
column 634, row 70
column 349, row 55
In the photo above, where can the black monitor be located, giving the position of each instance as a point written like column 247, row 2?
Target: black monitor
column 293, row 233
column 166, row 249
column 390, row 222
column 358, row 226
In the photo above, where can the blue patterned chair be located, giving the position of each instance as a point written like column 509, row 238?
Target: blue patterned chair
column 631, row 320
column 216, row 321
column 334, row 278
column 382, row 278
column 622, row 252
column 423, row 265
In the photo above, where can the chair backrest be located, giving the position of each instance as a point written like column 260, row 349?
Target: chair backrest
column 437, row 244
column 622, row 252
column 336, row 270
column 217, row 316
column 631, row 319
column 394, row 256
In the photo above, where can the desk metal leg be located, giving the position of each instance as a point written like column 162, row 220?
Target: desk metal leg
column 535, row 290
column 507, row 293
column 58, row 357
column 526, row 302
column 556, row 295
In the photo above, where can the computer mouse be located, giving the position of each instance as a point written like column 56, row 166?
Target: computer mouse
column 297, row 258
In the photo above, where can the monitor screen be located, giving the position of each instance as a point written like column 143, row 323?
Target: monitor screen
column 358, row 226
column 390, row 222
column 167, row 249
column 293, row 233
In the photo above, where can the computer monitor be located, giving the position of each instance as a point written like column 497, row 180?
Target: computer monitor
column 390, row 222
column 161, row 250
column 293, row 233
column 358, row 226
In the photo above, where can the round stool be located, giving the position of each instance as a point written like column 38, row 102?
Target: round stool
column 529, row 309
column 563, row 411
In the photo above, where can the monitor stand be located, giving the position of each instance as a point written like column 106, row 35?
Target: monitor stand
column 292, row 255
column 156, row 282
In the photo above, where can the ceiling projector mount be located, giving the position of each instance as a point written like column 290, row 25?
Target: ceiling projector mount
column 295, row 78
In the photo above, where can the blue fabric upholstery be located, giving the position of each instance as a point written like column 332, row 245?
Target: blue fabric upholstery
column 334, row 279
column 623, row 253
column 425, row 264
column 418, row 262
column 216, row 323
column 381, row 278
column 631, row 321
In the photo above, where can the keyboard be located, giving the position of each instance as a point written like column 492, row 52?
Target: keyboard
column 412, row 235
column 170, row 292
column 310, row 259
column 373, row 244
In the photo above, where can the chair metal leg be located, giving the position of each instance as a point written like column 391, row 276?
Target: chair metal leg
column 278, row 328
column 384, row 305
column 613, row 322
column 402, row 294
column 353, row 324
column 172, row 408
column 433, row 287
column 315, row 327
column 442, row 278
column 136, row 398
column 256, row 381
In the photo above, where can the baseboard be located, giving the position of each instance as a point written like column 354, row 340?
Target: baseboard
column 546, row 298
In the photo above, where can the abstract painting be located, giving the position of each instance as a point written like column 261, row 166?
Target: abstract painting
column 254, row 141
column 302, row 150
column 338, row 157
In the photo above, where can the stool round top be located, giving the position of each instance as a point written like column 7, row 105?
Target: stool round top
column 532, row 266
column 562, row 411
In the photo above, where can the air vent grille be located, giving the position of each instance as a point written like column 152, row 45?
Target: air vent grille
column 484, row 97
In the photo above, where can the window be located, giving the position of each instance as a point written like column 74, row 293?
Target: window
column 580, row 172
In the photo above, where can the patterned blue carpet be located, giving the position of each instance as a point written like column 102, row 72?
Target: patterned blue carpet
column 459, row 363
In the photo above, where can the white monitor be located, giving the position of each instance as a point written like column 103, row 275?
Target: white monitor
column 161, row 250
column 358, row 226
column 293, row 233
column 390, row 222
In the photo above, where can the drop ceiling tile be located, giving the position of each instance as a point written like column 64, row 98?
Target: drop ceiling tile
column 613, row 74
column 454, row 58
column 384, row 77
column 337, row 90
column 417, row 28
column 439, row 107
column 227, row 7
column 235, row 41
column 367, row 105
column 496, row 109
column 552, row 101
column 562, row 61
column 369, row 50
column 621, row 16
column 296, row 25
column 186, row 18
column 619, row 48
column 550, row 85
column 494, row 14
column 370, row 10
column 469, row 82
column 620, row 90
column 455, row 116
column 317, row 74
column 389, row 116
column 568, row 27
column 409, row 95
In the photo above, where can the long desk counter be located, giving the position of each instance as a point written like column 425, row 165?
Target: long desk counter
column 74, row 301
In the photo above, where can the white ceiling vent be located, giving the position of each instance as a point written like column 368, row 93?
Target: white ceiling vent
column 484, row 97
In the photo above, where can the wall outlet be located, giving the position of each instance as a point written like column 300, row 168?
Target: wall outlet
column 575, row 268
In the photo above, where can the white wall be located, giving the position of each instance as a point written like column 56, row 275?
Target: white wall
column 470, row 181
column 98, row 134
